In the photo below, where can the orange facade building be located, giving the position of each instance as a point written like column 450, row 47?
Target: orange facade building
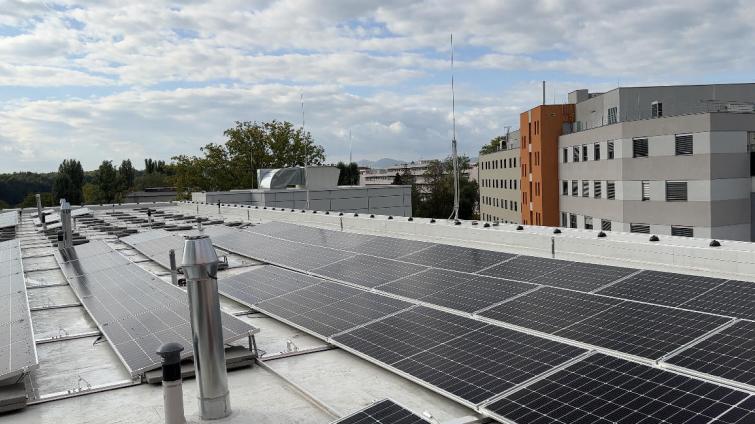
column 539, row 130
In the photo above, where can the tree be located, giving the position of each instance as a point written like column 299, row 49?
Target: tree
column 152, row 166
column 69, row 182
column 92, row 194
column 249, row 146
column 126, row 176
column 30, row 201
column 397, row 179
column 106, row 180
column 14, row 187
column 349, row 174
column 494, row 145
column 438, row 201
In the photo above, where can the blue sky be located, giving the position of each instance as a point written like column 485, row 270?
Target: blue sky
column 110, row 80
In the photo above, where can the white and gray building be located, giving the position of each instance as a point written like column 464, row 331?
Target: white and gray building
column 662, row 160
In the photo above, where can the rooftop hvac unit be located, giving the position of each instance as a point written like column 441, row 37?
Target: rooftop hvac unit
column 280, row 178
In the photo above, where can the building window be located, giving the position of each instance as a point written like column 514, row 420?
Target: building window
column 565, row 152
column 563, row 219
column 676, row 191
column 645, row 191
column 574, row 187
column 683, row 144
column 585, row 188
column 640, row 148
column 597, row 188
column 612, row 112
column 610, row 190
column 609, row 150
column 656, row 109
column 639, row 228
column 596, row 151
column 572, row 220
column 588, row 223
column 678, row 230
column 564, row 188
column 575, row 154
column 584, row 153
column 605, row 225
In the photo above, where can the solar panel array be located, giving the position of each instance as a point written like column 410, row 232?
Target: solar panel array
column 156, row 244
column 18, row 351
column 136, row 311
column 385, row 411
column 532, row 321
column 8, row 219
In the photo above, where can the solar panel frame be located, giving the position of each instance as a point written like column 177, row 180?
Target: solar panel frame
column 17, row 328
column 583, row 276
column 662, row 288
column 742, row 413
column 367, row 271
column 604, row 389
column 732, row 298
column 385, row 411
column 136, row 322
column 456, row 258
column 727, row 355
column 524, row 268
column 263, row 283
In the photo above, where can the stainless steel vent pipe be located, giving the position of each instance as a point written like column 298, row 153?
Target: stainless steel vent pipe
column 200, row 267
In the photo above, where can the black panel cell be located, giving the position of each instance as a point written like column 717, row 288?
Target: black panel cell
column 389, row 247
column 329, row 308
column 525, row 268
column 662, row 288
column 602, row 389
column 744, row 413
column 732, row 298
column 383, row 412
column 478, row 293
column 583, row 276
column 550, row 309
column 456, row 258
column 263, row 283
column 729, row 354
column 425, row 283
column 483, row 363
column 367, row 271
column 648, row 331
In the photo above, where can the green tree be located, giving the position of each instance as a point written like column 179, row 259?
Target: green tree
column 494, row 145
column 397, row 179
column 4, row 205
column 14, row 187
column 69, row 182
column 106, row 180
column 92, row 194
column 152, row 166
column 126, row 176
column 349, row 174
column 30, row 201
column 249, row 146
column 438, row 200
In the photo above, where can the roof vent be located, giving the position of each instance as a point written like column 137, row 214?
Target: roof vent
column 264, row 207
column 714, row 243
column 314, row 211
column 474, row 222
column 372, row 216
column 340, row 213
column 273, row 208
column 432, row 220
column 486, row 225
column 356, row 214
column 519, row 228
column 327, row 212
column 557, row 231
column 390, row 216
column 457, row 222
column 654, row 238
column 293, row 210
column 410, row 219
column 601, row 234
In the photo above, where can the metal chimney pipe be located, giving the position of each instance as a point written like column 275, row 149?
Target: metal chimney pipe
column 65, row 221
column 173, row 395
column 173, row 268
column 543, row 91
column 200, row 266
column 39, row 211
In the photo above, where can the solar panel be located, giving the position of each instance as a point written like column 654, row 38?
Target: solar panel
column 743, row 413
column 329, row 308
column 385, row 411
column 525, row 268
column 156, row 245
column 367, row 271
column 583, row 276
column 136, row 311
column 456, row 258
column 263, row 283
column 18, row 351
column 549, row 309
column 602, row 389
column 457, row 355
column 425, row 283
column 275, row 251
column 389, row 247
column 728, row 354
column 733, row 298
column 643, row 330
column 8, row 219
column 662, row 288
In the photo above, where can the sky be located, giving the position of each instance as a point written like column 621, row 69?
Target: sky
column 102, row 80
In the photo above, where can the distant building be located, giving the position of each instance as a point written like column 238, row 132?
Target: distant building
column 499, row 180
column 369, row 177
column 673, row 160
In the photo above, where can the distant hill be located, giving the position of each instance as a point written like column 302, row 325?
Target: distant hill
column 380, row 163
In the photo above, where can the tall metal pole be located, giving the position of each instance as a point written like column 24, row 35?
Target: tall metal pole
column 455, row 213
column 306, row 149
column 200, row 266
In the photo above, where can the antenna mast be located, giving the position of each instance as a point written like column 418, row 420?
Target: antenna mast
column 306, row 158
column 350, row 147
column 455, row 158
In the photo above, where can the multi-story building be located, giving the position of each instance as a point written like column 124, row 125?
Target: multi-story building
column 662, row 160
column 417, row 169
column 499, row 179
column 540, row 129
